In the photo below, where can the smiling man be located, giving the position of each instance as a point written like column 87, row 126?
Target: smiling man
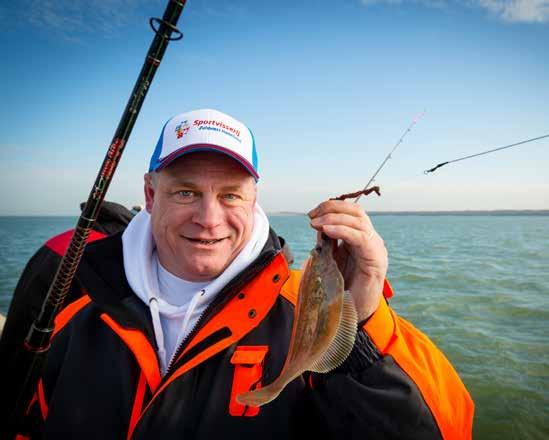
column 193, row 305
column 202, row 214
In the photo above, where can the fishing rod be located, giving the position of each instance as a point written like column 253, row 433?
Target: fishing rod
column 482, row 153
column 364, row 191
column 37, row 342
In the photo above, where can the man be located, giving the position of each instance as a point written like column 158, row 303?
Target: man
column 193, row 305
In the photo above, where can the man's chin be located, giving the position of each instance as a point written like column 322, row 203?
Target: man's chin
column 204, row 270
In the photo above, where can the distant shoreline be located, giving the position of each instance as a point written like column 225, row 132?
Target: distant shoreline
column 498, row 212
column 472, row 212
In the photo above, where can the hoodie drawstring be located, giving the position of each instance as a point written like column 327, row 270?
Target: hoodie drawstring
column 158, row 333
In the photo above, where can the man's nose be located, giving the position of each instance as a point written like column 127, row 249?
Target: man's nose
column 209, row 213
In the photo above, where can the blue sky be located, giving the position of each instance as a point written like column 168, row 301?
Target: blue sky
column 326, row 87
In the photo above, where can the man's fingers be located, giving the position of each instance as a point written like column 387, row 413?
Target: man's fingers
column 360, row 223
column 336, row 206
column 353, row 237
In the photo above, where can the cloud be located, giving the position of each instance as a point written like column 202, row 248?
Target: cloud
column 72, row 18
column 512, row 11
column 520, row 11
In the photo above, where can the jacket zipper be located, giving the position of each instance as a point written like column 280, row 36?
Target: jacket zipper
column 226, row 294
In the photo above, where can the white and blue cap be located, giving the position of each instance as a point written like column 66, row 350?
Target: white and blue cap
column 205, row 130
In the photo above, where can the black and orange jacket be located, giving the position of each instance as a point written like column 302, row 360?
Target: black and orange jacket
column 32, row 288
column 102, row 377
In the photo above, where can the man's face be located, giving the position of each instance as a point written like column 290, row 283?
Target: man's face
column 201, row 210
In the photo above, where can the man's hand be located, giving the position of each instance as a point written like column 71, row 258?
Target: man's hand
column 361, row 255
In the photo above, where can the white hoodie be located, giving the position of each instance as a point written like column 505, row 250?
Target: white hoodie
column 176, row 304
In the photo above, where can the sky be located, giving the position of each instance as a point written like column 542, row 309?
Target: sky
column 327, row 88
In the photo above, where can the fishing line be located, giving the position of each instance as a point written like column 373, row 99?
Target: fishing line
column 414, row 122
column 482, row 153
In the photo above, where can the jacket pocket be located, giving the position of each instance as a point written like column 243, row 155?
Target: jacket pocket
column 248, row 369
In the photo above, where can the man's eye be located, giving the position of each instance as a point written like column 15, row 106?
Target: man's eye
column 230, row 196
column 185, row 194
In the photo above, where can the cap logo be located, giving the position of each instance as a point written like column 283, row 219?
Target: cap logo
column 214, row 125
column 181, row 129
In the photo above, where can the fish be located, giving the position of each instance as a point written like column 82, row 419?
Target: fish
column 324, row 327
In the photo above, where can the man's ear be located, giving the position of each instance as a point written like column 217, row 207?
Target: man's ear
column 149, row 192
column 255, row 193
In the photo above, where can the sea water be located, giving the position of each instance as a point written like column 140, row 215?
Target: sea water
column 477, row 285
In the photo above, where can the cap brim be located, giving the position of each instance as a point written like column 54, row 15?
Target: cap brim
column 163, row 163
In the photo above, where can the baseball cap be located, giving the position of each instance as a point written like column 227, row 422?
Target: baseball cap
column 205, row 130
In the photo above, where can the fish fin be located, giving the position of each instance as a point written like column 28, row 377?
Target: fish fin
column 259, row 397
column 344, row 339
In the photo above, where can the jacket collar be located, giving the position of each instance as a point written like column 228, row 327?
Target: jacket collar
column 101, row 272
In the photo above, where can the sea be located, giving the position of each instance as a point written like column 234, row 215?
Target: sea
column 476, row 284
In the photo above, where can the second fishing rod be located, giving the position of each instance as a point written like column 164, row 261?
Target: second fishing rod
column 367, row 190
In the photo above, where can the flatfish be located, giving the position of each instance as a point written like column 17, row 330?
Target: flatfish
column 324, row 327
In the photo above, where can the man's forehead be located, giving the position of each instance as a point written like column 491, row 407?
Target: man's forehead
column 193, row 168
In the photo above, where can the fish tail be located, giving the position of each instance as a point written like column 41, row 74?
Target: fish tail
column 259, row 397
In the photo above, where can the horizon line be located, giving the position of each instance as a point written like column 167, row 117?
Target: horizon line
column 382, row 212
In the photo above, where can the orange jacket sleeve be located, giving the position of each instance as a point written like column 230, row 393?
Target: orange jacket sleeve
column 438, row 382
